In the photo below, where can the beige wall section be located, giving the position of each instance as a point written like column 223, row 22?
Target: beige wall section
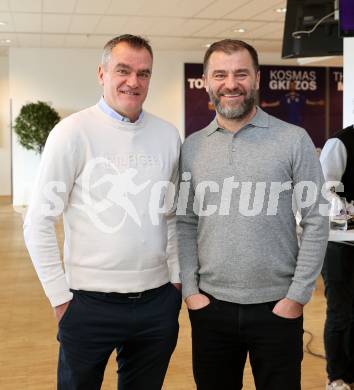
column 5, row 147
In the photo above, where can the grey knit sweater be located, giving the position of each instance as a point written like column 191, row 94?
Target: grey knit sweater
column 237, row 237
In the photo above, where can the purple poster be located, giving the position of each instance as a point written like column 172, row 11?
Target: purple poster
column 335, row 100
column 292, row 93
column 198, row 111
column 296, row 95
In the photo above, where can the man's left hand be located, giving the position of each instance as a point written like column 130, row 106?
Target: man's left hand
column 178, row 286
column 288, row 308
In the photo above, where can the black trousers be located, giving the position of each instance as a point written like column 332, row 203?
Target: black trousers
column 222, row 335
column 143, row 330
column 338, row 276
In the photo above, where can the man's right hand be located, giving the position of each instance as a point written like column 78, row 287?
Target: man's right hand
column 197, row 301
column 60, row 310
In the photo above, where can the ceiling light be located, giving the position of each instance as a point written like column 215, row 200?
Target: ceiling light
column 239, row 30
column 3, row 23
column 207, row 45
column 280, row 10
column 5, row 41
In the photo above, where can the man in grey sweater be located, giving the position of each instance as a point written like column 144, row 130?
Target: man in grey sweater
column 245, row 279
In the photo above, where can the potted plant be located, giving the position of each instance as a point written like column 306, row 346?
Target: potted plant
column 34, row 123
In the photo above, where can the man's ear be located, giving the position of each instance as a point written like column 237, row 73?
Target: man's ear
column 206, row 86
column 258, row 79
column 100, row 74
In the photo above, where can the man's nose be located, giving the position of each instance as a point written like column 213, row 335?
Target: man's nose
column 132, row 80
column 231, row 82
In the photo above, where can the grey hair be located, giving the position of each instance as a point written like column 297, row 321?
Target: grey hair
column 134, row 41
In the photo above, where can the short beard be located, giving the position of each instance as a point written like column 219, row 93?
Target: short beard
column 239, row 112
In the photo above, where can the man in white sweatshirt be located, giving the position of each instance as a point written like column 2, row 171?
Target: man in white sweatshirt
column 109, row 170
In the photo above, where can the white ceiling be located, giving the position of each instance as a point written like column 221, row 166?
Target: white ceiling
column 169, row 24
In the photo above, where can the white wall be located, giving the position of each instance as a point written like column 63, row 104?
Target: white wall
column 5, row 152
column 66, row 78
column 348, row 85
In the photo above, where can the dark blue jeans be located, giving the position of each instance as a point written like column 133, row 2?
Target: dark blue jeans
column 143, row 330
column 224, row 333
column 338, row 276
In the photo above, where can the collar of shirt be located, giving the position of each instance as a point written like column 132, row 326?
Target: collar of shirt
column 261, row 119
column 114, row 114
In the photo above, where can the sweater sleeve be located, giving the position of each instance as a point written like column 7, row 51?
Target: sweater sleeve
column 333, row 159
column 172, row 250
column 187, row 230
column 307, row 171
column 49, row 199
column 172, row 247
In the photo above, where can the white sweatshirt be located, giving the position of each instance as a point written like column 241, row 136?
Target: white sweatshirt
column 105, row 177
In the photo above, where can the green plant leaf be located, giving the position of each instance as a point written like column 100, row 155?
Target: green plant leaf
column 34, row 123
